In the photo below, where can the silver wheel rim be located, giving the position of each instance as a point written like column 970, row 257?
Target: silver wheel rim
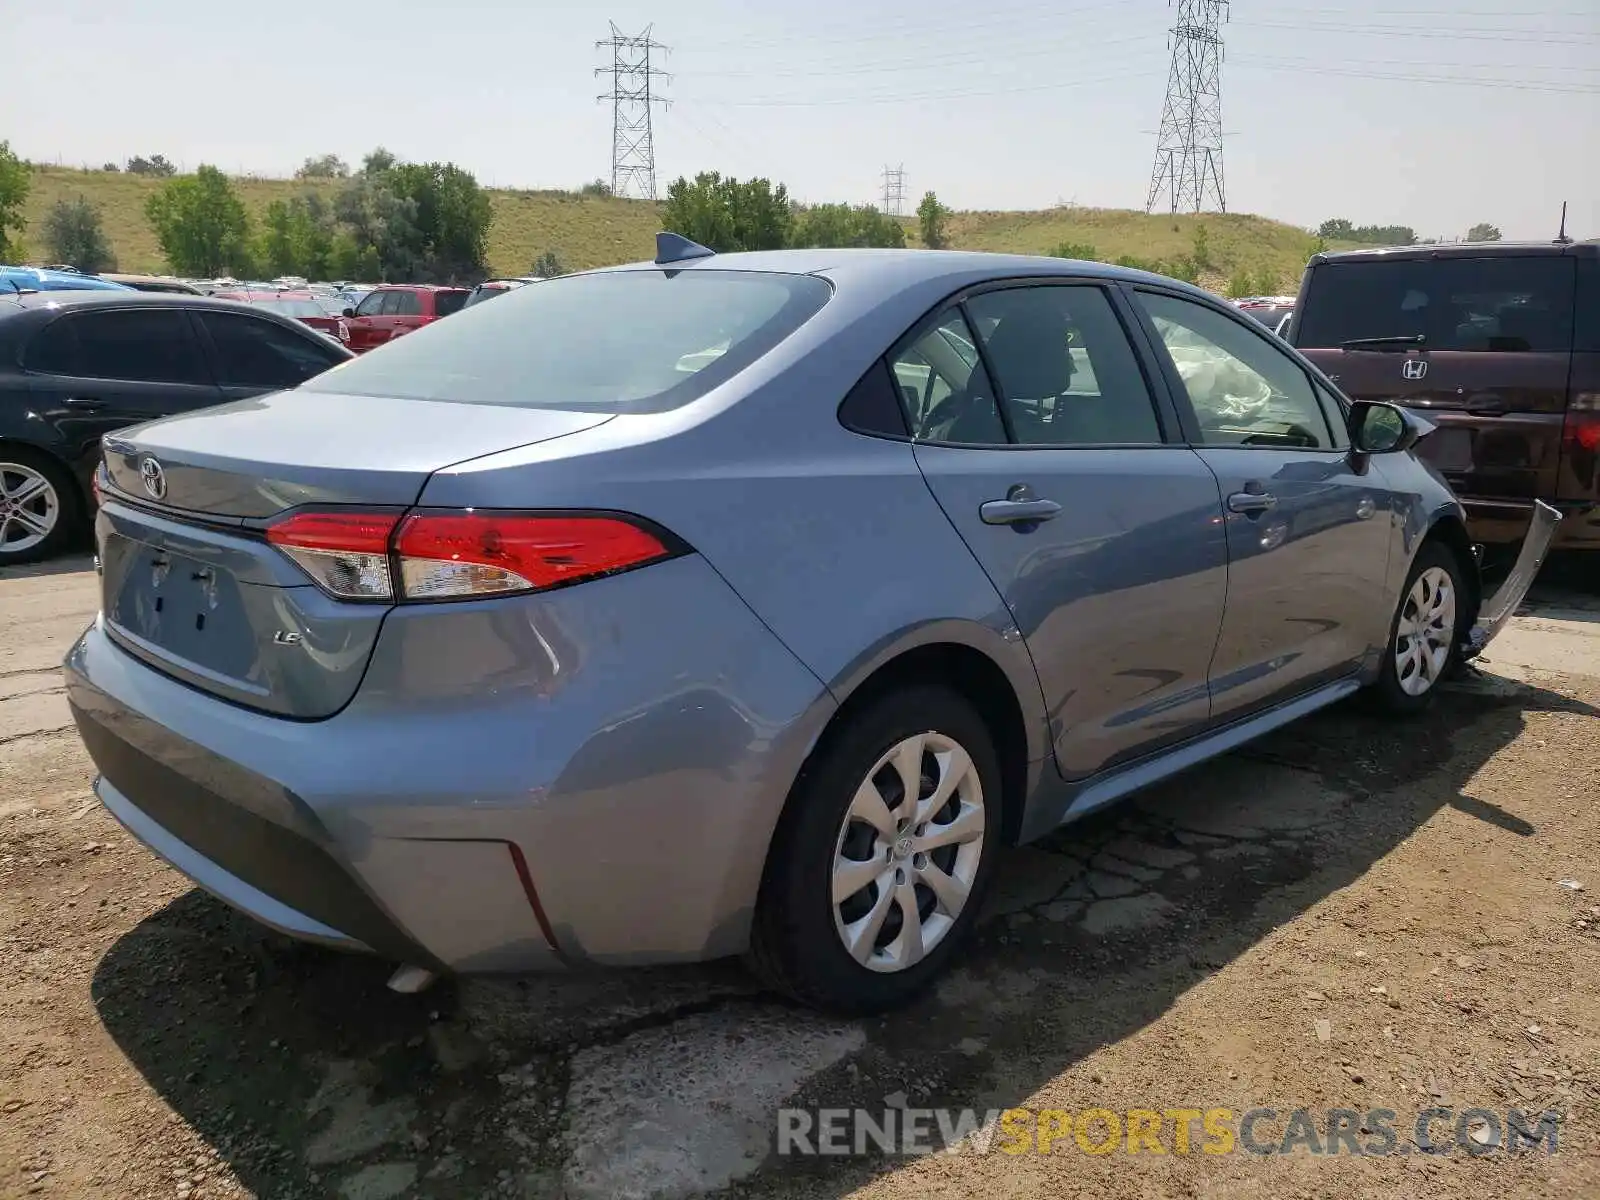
column 29, row 508
column 1426, row 628
column 907, row 854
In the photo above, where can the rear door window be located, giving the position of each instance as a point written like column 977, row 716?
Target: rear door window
column 406, row 304
column 1066, row 373
column 614, row 341
column 145, row 346
column 257, row 353
column 1503, row 305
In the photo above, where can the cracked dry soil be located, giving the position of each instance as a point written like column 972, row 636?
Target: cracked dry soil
column 1348, row 914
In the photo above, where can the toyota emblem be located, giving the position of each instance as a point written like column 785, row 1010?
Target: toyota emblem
column 154, row 478
column 1414, row 368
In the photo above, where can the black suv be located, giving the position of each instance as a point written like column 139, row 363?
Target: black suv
column 77, row 365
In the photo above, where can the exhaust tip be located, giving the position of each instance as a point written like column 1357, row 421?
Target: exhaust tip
column 409, row 980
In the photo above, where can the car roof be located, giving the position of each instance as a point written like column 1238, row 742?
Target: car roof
column 30, row 302
column 420, row 287
column 1462, row 250
column 903, row 267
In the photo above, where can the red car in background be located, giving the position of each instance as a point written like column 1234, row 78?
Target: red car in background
column 394, row 309
column 301, row 306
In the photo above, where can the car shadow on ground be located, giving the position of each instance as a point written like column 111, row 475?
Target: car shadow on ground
column 310, row 1078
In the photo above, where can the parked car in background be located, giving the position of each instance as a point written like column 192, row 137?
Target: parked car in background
column 1499, row 345
column 1273, row 315
column 300, row 306
column 77, row 365
column 395, row 309
column 490, row 288
column 707, row 605
column 153, row 283
column 41, row 279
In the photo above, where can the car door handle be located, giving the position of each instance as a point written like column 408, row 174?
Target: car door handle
column 1251, row 503
column 85, row 403
column 1017, row 512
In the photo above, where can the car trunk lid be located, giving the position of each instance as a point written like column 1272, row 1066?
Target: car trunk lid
column 189, row 582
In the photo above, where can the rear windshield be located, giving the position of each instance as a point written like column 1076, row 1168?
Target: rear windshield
column 445, row 303
column 614, row 341
column 1485, row 304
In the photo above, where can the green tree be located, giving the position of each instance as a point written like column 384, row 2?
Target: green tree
column 1266, row 282
column 14, row 185
column 452, row 218
column 1239, row 285
column 834, row 225
column 1483, row 232
column 74, row 234
column 201, row 225
column 595, row 187
column 1200, row 255
column 380, row 239
column 726, row 214
column 323, row 166
column 548, row 265
column 1082, row 251
column 277, row 254
column 931, row 216
column 156, row 165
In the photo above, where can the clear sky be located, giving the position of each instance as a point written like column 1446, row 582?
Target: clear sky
column 1434, row 115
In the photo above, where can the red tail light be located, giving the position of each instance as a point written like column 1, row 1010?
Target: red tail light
column 1581, row 429
column 440, row 556
column 469, row 554
column 346, row 553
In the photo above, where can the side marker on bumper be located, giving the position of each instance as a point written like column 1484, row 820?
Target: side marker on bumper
column 1498, row 608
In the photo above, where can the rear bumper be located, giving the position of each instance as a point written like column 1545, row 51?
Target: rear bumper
column 1503, row 522
column 519, row 784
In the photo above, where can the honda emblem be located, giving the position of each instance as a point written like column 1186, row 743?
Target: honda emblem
column 1414, row 368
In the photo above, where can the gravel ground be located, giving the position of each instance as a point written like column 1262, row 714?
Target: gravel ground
column 1348, row 915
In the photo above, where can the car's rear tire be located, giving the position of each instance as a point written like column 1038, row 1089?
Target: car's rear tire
column 40, row 508
column 850, row 860
column 1424, row 643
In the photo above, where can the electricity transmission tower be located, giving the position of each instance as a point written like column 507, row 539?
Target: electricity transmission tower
column 1188, row 167
column 633, row 151
column 894, row 190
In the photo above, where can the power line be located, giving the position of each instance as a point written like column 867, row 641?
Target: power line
column 1188, row 166
column 894, row 190
column 633, row 151
column 1568, row 89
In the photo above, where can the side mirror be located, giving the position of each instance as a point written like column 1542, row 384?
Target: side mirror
column 1379, row 428
column 349, row 312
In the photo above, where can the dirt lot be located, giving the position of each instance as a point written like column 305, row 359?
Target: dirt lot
column 1349, row 915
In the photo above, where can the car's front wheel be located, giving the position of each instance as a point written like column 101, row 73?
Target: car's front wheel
column 38, row 506
column 878, row 868
column 1425, row 635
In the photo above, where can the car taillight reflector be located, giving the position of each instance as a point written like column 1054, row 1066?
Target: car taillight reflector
column 477, row 553
column 347, row 554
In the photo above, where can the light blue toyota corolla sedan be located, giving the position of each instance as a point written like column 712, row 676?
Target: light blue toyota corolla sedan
column 742, row 604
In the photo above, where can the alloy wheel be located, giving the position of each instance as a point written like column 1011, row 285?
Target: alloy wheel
column 908, row 852
column 29, row 508
column 1425, row 631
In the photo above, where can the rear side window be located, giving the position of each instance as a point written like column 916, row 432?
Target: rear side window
column 404, row 304
column 616, row 341
column 252, row 353
column 1504, row 305
column 1586, row 337
column 1065, row 371
column 445, row 303
column 144, row 346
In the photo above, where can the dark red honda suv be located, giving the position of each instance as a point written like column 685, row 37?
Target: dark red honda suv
column 1496, row 343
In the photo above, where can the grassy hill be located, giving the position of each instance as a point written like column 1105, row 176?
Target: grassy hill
column 589, row 231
